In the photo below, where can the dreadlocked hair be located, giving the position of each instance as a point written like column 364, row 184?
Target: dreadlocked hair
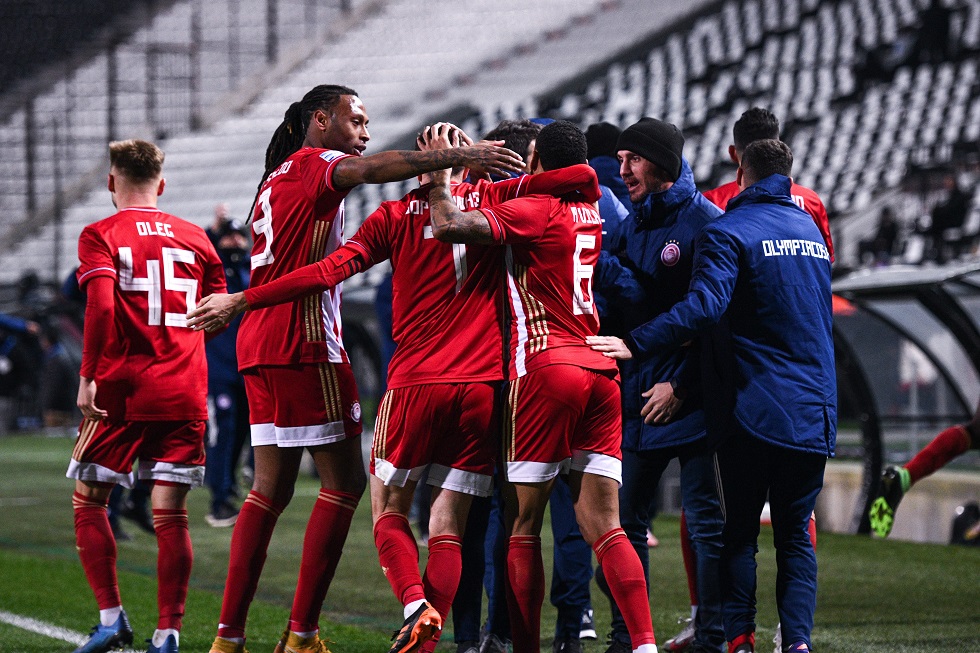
column 291, row 132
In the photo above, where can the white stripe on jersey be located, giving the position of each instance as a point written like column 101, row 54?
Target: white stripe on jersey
column 459, row 264
column 520, row 317
column 330, row 299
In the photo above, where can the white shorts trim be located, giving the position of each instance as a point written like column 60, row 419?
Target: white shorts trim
column 590, row 462
column 297, row 436
column 98, row 473
column 263, row 434
column 524, row 471
column 458, row 480
column 154, row 470
column 391, row 475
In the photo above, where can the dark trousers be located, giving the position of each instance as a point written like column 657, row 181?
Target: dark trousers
column 751, row 472
column 572, row 569
column 228, row 433
column 484, row 567
column 705, row 518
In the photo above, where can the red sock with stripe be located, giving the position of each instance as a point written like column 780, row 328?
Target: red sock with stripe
column 525, row 591
column 624, row 575
column 249, row 546
column 174, row 560
column 442, row 573
column 949, row 444
column 398, row 554
column 323, row 545
column 96, row 549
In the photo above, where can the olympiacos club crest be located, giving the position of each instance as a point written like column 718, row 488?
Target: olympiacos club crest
column 670, row 254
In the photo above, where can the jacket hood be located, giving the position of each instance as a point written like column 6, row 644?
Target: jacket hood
column 774, row 189
column 657, row 206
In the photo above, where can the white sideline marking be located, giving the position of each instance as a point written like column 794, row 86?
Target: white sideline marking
column 46, row 629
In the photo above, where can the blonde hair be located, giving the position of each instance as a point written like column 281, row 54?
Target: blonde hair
column 138, row 161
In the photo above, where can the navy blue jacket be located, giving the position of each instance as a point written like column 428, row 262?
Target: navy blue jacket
column 653, row 275
column 764, row 266
column 220, row 350
column 607, row 170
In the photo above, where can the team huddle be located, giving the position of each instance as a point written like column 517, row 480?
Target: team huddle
column 497, row 289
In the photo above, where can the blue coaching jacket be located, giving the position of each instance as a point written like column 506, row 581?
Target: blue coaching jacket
column 651, row 276
column 765, row 266
column 220, row 350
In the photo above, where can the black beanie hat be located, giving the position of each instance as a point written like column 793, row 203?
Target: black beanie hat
column 659, row 142
column 601, row 139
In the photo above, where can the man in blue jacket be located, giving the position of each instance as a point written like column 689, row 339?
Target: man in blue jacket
column 662, row 412
column 765, row 267
column 228, row 407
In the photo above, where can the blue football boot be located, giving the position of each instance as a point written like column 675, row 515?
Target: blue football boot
column 107, row 638
column 169, row 646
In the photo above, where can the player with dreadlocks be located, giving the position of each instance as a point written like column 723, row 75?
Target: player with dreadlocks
column 298, row 378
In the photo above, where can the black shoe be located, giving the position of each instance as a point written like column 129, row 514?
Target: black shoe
column 567, row 645
column 223, row 516
column 139, row 515
column 618, row 646
column 468, row 647
column 587, row 630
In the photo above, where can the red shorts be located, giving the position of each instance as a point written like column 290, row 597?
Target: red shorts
column 302, row 405
column 562, row 417
column 168, row 451
column 446, row 427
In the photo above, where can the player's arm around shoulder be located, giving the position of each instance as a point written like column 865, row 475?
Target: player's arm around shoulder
column 449, row 224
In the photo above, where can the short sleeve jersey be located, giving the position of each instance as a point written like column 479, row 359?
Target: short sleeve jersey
column 803, row 197
column 446, row 305
column 552, row 248
column 153, row 366
column 298, row 219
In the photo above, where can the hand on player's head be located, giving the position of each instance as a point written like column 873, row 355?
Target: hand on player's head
column 490, row 157
column 441, row 136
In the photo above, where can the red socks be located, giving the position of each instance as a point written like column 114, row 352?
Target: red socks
column 949, row 444
column 525, row 591
column 96, row 549
column 323, row 545
column 442, row 572
column 174, row 559
column 624, row 575
column 249, row 546
column 399, row 556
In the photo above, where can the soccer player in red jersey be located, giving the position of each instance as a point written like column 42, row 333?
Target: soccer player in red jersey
column 758, row 124
column 563, row 411
column 298, row 378
column 438, row 411
column 143, row 386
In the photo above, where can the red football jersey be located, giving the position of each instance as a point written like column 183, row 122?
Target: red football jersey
column 805, row 198
column 152, row 367
column 298, row 219
column 552, row 248
column 445, row 296
column 445, row 313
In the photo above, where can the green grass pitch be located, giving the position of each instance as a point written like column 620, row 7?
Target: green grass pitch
column 875, row 596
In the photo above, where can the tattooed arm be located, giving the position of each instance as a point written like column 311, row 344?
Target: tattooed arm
column 397, row 165
column 449, row 224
